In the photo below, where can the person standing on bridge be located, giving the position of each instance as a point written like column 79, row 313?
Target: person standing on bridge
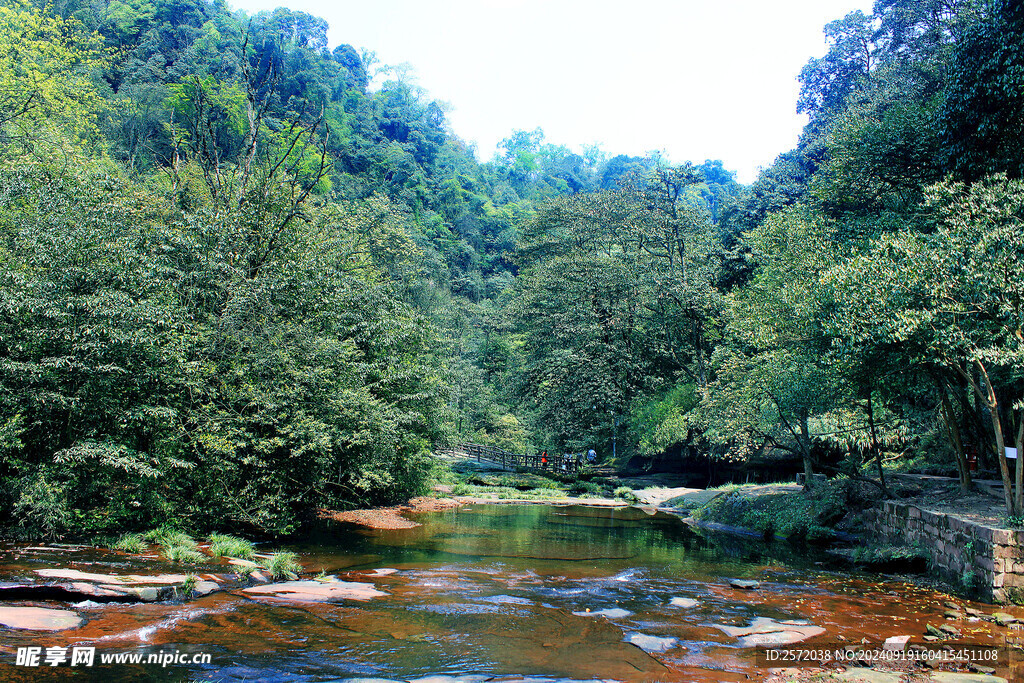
column 544, row 460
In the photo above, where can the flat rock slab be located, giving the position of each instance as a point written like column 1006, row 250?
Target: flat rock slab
column 611, row 613
column 765, row 631
column 745, row 584
column 75, row 575
column 239, row 562
column 38, row 618
column 685, row 603
column 863, row 675
column 112, row 579
column 649, row 643
column 315, row 591
column 950, row 677
column 131, row 587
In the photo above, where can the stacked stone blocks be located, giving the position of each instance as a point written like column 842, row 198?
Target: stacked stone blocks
column 958, row 548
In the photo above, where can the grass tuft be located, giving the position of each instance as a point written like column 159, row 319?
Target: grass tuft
column 222, row 544
column 169, row 537
column 187, row 587
column 182, row 555
column 625, row 493
column 281, row 564
column 131, row 543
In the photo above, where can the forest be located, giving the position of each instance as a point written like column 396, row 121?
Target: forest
column 244, row 276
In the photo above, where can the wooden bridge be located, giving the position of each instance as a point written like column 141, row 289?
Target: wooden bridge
column 564, row 462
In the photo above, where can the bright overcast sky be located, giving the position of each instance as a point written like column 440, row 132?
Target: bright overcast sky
column 693, row 79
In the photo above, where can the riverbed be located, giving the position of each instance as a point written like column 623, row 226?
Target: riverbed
column 498, row 592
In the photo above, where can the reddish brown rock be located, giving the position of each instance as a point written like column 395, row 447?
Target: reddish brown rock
column 38, row 618
column 315, row 591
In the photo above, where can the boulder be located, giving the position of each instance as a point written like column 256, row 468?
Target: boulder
column 1004, row 619
column 745, row 584
column 896, row 642
column 649, row 643
column 685, row 603
column 765, row 631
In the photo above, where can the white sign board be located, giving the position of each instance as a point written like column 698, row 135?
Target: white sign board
column 1011, row 453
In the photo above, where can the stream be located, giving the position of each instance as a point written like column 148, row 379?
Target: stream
column 495, row 592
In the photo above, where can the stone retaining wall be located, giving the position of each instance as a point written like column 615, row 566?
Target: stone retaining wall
column 957, row 546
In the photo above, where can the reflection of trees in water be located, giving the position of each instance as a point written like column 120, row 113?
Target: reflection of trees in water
column 536, row 534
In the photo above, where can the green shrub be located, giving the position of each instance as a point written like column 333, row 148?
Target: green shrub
column 187, row 587
column 796, row 516
column 968, row 582
column 222, row 544
column 625, row 493
column 819, row 534
column 892, row 558
column 244, row 572
column 1014, row 521
column 586, row 488
column 44, row 506
column 281, row 564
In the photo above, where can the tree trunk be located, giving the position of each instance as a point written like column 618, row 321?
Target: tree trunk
column 992, row 403
column 1019, row 445
column 953, row 433
column 805, row 450
column 874, row 444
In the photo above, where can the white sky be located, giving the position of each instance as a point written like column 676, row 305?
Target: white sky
column 694, row 79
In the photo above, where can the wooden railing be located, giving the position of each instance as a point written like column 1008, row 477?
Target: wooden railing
column 563, row 462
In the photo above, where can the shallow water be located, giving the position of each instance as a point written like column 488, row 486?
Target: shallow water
column 490, row 591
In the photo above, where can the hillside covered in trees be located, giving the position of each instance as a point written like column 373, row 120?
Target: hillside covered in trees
column 244, row 276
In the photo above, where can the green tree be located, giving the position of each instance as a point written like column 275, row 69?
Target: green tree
column 951, row 300
column 772, row 376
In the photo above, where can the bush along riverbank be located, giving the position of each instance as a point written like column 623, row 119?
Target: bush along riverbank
column 820, row 515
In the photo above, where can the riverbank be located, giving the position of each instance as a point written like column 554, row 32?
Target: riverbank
column 582, row 592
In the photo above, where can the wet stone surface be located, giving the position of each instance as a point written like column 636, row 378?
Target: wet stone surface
column 38, row 618
column 500, row 593
column 315, row 591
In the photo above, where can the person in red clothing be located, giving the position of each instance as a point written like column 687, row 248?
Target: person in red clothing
column 544, row 459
